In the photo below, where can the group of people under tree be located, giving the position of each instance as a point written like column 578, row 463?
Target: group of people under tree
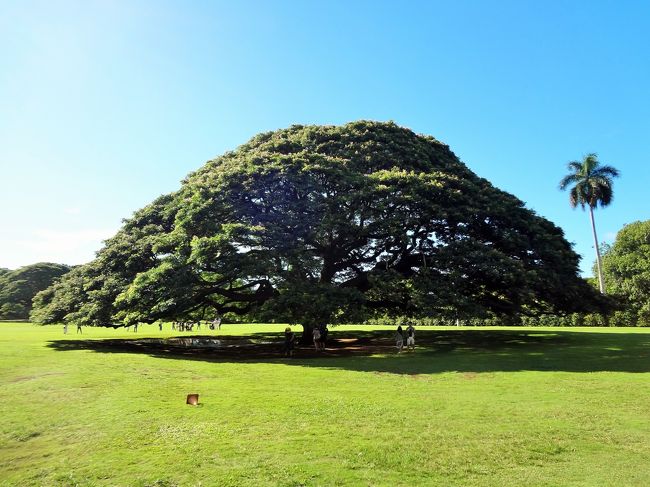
column 185, row 325
column 319, row 335
column 410, row 338
column 65, row 328
column 189, row 325
column 176, row 326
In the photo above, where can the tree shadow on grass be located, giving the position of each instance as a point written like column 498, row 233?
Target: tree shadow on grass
column 437, row 350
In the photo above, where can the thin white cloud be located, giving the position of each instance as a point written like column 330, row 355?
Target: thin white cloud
column 62, row 246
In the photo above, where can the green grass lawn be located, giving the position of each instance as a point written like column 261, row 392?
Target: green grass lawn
column 470, row 407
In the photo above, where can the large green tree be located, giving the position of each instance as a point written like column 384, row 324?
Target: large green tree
column 319, row 224
column 591, row 185
column 626, row 265
column 18, row 287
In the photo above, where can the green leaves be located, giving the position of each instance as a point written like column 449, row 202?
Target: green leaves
column 18, row 287
column 323, row 224
column 592, row 182
column 626, row 266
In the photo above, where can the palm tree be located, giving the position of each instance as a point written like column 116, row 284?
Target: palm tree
column 593, row 185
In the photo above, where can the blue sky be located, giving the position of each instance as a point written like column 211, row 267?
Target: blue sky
column 104, row 105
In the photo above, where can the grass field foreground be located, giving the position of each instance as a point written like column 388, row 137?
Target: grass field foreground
column 488, row 406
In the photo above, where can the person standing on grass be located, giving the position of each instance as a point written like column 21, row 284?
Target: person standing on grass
column 216, row 323
column 399, row 339
column 79, row 328
column 65, row 329
column 410, row 337
column 323, row 336
column 316, row 335
column 289, row 342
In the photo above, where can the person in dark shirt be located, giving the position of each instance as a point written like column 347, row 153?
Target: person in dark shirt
column 323, row 336
column 289, row 342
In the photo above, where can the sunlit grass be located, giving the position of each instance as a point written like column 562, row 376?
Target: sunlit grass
column 473, row 407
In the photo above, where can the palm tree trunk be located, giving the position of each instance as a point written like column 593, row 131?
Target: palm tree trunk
column 601, row 283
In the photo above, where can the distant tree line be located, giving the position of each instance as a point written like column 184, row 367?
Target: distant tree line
column 626, row 270
column 18, row 287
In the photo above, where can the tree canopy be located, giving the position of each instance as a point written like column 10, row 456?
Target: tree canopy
column 322, row 224
column 626, row 265
column 18, row 287
column 592, row 182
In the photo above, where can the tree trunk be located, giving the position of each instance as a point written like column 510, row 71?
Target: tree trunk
column 601, row 283
column 307, row 337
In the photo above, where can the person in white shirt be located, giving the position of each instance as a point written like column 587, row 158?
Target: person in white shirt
column 399, row 339
column 316, row 336
column 410, row 337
